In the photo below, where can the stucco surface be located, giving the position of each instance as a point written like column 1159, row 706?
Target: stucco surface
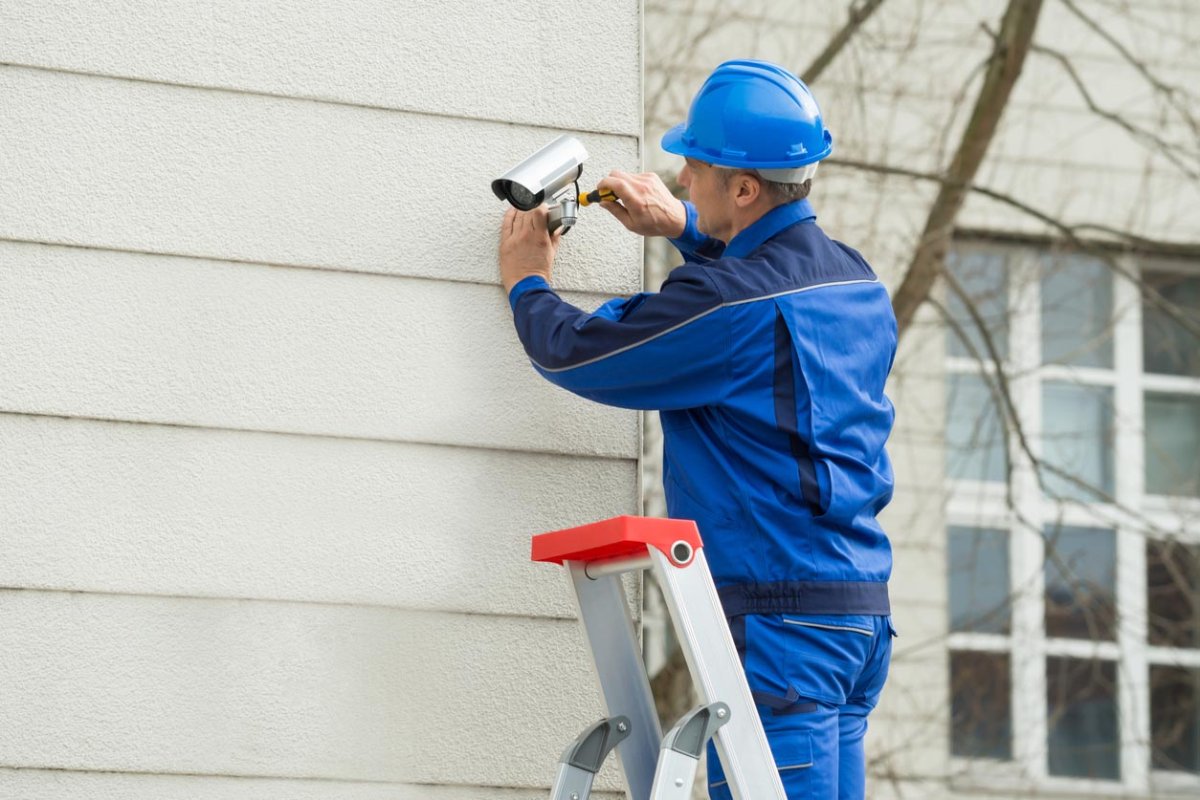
column 186, row 341
column 509, row 60
column 148, row 509
column 34, row 784
column 168, row 169
column 271, row 447
column 289, row 690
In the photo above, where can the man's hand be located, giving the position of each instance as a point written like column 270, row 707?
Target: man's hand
column 646, row 205
column 526, row 246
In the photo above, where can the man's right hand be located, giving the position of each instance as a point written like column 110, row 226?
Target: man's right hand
column 646, row 205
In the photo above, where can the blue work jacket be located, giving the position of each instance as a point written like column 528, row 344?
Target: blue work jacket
column 766, row 360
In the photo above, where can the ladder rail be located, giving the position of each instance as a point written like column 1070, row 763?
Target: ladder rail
column 717, row 672
column 624, row 685
column 596, row 556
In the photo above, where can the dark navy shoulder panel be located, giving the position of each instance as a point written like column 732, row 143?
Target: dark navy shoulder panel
column 572, row 338
column 799, row 257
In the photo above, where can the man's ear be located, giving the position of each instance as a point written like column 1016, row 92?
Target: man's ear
column 748, row 189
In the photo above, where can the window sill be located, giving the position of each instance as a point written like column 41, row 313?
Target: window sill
column 990, row 777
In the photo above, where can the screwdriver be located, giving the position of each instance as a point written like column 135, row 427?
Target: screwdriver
column 597, row 196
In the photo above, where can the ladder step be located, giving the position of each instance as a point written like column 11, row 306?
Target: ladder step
column 583, row 758
column 679, row 758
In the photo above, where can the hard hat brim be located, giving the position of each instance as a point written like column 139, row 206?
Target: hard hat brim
column 672, row 140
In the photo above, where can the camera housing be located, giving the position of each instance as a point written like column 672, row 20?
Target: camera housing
column 542, row 176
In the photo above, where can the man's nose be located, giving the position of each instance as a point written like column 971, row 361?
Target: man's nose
column 685, row 176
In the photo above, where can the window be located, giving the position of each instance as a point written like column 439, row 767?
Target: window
column 1081, row 583
column 979, row 583
column 980, row 714
column 975, row 447
column 1175, row 718
column 1077, row 441
column 1081, row 706
column 1073, row 545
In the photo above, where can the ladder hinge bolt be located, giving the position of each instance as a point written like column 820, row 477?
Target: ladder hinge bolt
column 622, row 727
column 721, row 713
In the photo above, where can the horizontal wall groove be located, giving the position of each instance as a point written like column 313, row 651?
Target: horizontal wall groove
column 324, row 436
column 311, row 99
column 280, row 601
column 252, row 776
column 218, row 259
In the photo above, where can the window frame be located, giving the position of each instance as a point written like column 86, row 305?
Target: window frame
column 1023, row 510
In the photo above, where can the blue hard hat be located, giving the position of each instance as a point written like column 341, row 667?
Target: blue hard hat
column 752, row 115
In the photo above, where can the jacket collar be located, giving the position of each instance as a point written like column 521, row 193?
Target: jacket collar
column 768, row 225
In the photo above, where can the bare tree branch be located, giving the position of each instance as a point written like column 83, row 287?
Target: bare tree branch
column 1016, row 35
column 859, row 14
column 1172, row 93
column 1070, row 232
column 1168, row 149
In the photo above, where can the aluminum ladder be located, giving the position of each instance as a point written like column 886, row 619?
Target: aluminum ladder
column 657, row 767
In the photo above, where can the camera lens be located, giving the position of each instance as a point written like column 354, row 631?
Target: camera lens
column 521, row 197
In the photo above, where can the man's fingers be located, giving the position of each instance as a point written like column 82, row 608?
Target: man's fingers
column 620, row 185
column 509, row 226
column 537, row 219
column 620, row 212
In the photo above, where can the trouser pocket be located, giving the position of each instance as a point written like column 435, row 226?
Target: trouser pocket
column 794, row 758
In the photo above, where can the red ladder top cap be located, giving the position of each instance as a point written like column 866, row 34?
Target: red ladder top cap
column 614, row 538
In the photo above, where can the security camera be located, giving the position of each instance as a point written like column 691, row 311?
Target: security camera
column 544, row 177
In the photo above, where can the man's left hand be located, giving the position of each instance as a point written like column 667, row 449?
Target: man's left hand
column 526, row 246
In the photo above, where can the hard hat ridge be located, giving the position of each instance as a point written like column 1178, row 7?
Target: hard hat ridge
column 753, row 115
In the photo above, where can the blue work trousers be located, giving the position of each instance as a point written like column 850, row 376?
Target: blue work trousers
column 814, row 679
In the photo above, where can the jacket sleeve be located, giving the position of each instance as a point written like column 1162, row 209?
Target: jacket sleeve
column 694, row 246
column 655, row 350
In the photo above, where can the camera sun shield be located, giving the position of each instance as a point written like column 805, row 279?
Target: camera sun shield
column 543, row 175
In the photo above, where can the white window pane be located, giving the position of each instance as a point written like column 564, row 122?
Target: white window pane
column 1077, row 441
column 979, row 587
column 1081, row 583
column 975, row 447
column 1077, row 298
column 1173, row 593
column 1081, row 705
column 980, row 705
column 1175, row 718
column 1172, row 444
column 984, row 277
column 1170, row 344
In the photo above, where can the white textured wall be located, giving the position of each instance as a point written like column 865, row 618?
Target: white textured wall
column 270, row 452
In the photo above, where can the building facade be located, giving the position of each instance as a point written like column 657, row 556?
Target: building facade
column 1046, row 522
column 271, row 452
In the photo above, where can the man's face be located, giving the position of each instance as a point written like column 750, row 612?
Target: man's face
column 710, row 195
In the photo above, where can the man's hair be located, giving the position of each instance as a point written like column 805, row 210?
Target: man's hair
column 777, row 193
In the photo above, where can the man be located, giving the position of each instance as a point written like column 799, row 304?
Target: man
column 766, row 354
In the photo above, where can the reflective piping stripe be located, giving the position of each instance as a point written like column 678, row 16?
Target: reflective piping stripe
column 689, row 321
column 796, row 766
column 850, row 628
column 718, row 784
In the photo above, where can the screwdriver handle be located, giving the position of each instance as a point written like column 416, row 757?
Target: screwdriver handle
column 597, row 196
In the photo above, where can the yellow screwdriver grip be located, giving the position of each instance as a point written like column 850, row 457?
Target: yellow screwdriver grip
column 597, row 196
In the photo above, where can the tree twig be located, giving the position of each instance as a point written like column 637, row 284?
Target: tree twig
column 859, row 14
column 1008, row 58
